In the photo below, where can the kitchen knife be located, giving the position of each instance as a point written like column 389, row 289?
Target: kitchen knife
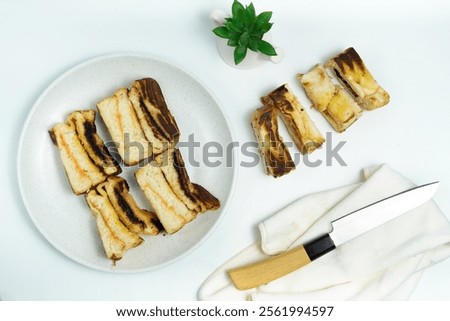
column 344, row 229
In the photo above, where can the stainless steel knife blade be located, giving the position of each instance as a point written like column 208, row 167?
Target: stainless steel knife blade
column 369, row 217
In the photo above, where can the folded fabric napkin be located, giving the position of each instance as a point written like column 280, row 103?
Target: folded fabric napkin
column 386, row 263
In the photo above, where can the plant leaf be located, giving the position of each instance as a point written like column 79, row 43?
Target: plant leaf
column 232, row 42
column 257, row 34
column 243, row 39
column 248, row 19
column 253, row 44
column 239, row 54
column 251, row 10
column 266, row 27
column 239, row 19
column 222, row 32
column 236, row 8
column 235, row 35
column 266, row 48
column 263, row 17
column 231, row 25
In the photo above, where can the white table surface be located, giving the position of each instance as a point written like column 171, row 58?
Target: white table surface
column 406, row 45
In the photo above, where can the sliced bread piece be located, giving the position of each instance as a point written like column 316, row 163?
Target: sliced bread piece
column 84, row 121
column 353, row 74
column 123, row 125
column 175, row 199
column 274, row 153
column 137, row 220
column 171, row 211
column 195, row 197
column 155, row 118
column 301, row 128
column 335, row 104
column 117, row 239
column 81, row 171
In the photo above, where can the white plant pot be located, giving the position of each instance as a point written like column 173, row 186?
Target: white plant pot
column 252, row 59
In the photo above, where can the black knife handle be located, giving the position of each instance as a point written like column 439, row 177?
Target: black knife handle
column 318, row 247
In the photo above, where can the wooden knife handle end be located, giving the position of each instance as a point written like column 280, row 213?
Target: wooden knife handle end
column 259, row 273
column 262, row 272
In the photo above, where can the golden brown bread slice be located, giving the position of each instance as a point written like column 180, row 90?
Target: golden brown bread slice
column 123, row 125
column 171, row 211
column 195, row 197
column 274, row 153
column 84, row 121
column 81, row 171
column 335, row 104
column 117, row 239
column 305, row 134
column 155, row 118
column 174, row 198
column 353, row 74
column 137, row 220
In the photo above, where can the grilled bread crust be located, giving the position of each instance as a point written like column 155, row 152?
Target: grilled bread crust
column 84, row 121
column 117, row 239
column 155, row 118
column 132, row 216
column 123, row 125
column 80, row 170
column 274, row 153
column 195, row 197
column 174, row 198
column 139, row 121
column 171, row 211
column 301, row 128
column 85, row 158
column 353, row 74
column 335, row 104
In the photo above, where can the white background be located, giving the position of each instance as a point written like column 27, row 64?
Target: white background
column 405, row 44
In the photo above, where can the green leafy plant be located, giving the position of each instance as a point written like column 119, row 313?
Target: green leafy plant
column 245, row 30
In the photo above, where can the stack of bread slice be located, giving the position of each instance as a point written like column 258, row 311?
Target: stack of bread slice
column 301, row 128
column 341, row 101
column 92, row 170
column 142, row 128
column 342, row 104
column 137, row 220
column 331, row 100
column 139, row 121
column 143, row 111
column 175, row 199
column 276, row 157
column 119, row 219
column 86, row 160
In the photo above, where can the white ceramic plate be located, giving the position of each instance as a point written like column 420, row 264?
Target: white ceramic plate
column 65, row 219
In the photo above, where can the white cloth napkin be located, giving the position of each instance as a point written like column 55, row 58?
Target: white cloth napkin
column 383, row 264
